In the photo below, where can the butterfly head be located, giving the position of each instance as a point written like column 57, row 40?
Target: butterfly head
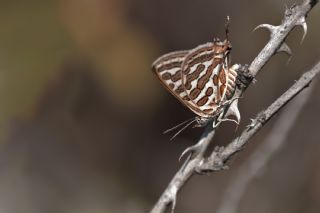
column 222, row 49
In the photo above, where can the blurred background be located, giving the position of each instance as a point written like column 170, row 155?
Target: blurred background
column 82, row 115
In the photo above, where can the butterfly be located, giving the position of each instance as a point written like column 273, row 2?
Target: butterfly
column 203, row 80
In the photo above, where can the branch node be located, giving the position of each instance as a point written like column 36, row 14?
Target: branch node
column 261, row 117
column 289, row 11
column 244, row 77
column 213, row 163
column 252, row 124
column 173, row 204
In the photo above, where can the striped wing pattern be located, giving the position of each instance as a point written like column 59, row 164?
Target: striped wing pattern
column 168, row 69
column 199, row 71
column 198, row 78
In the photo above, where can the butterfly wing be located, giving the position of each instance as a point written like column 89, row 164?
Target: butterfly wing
column 200, row 78
column 207, row 78
column 196, row 78
column 168, row 70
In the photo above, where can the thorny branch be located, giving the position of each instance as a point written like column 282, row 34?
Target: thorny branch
column 294, row 16
column 262, row 118
column 257, row 161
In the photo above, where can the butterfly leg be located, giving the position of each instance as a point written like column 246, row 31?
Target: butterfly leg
column 220, row 120
column 226, row 119
column 232, row 110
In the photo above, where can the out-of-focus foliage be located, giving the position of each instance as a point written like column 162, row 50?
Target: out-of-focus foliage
column 33, row 45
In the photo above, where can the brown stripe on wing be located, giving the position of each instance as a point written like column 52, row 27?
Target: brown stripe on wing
column 222, row 89
column 187, row 71
column 222, row 76
column 221, row 86
column 198, row 51
column 199, row 54
column 205, row 78
column 209, row 111
column 186, row 98
column 170, row 77
column 200, row 59
column 215, row 80
column 180, row 89
column 166, row 76
column 169, row 66
column 192, row 59
column 193, row 76
column 195, row 59
column 209, row 91
column 194, row 93
column 174, row 78
column 203, row 101
column 169, row 80
column 163, row 62
column 205, row 98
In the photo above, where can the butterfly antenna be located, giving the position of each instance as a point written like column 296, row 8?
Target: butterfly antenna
column 183, row 128
column 177, row 126
column 227, row 27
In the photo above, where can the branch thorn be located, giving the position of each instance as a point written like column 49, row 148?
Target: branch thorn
column 252, row 124
column 286, row 49
column 302, row 22
column 191, row 149
column 269, row 27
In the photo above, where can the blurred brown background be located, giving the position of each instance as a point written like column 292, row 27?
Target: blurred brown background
column 82, row 116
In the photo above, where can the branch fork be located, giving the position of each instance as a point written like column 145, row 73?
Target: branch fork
column 197, row 162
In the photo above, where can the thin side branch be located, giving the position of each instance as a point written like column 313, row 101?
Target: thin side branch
column 185, row 172
column 217, row 159
column 294, row 16
column 257, row 161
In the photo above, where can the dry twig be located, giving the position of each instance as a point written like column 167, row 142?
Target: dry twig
column 257, row 161
column 294, row 16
